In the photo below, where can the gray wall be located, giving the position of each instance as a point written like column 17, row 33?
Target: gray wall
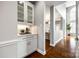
column 52, row 25
column 8, row 21
column 39, row 21
column 77, row 28
column 77, row 18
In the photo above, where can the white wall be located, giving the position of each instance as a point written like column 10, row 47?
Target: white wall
column 47, row 18
column 55, row 34
column 62, row 10
column 39, row 21
column 8, row 21
column 58, row 26
column 8, row 28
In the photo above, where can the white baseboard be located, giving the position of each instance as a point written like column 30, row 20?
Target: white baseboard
column 52, row 45
column 56, row 42
column 42, row 52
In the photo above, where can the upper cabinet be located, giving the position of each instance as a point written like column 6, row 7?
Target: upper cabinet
column 29, row 12
column 26, row 12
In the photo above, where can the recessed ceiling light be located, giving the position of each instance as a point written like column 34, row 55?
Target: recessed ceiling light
column 21, row 2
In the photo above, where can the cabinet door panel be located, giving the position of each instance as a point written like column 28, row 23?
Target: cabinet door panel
column 34, row 44
column 29, row 13
column 31, row 45
column 20, row 11
column 21, row 48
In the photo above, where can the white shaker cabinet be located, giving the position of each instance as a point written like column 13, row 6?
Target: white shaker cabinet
column 21, row 47
column 26, row 45
column 31, row 44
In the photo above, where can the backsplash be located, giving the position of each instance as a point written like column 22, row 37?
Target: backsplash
column 22, row 28
column 33, row 29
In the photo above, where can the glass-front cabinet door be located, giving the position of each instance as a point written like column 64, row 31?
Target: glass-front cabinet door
column 20, row 10
column 29, row 13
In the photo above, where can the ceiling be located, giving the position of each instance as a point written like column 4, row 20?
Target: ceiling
column 70, row 3
column 50, row 3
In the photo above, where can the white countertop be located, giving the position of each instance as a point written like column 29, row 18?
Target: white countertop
column 25, row 35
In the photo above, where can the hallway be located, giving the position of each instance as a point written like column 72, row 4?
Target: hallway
column 64, row 49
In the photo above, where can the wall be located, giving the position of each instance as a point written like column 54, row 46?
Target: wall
column 62, row 10
column 67, row 15
column 77, row 19
column 58, row 25
column 8, row 29
column 52, row 25
column 54, row 32
column 39, row 21
column 77, row 29
column 47, row 19
column 8, row 50
column 8, row 21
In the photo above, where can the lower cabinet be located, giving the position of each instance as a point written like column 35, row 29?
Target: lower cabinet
column 31, row 45
column 26, row 46
column 21, row 48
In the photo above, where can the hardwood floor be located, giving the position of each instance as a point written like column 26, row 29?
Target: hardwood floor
column 64, row 49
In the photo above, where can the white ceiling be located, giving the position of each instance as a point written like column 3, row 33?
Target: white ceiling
column 50, row 3
column 70, row 3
